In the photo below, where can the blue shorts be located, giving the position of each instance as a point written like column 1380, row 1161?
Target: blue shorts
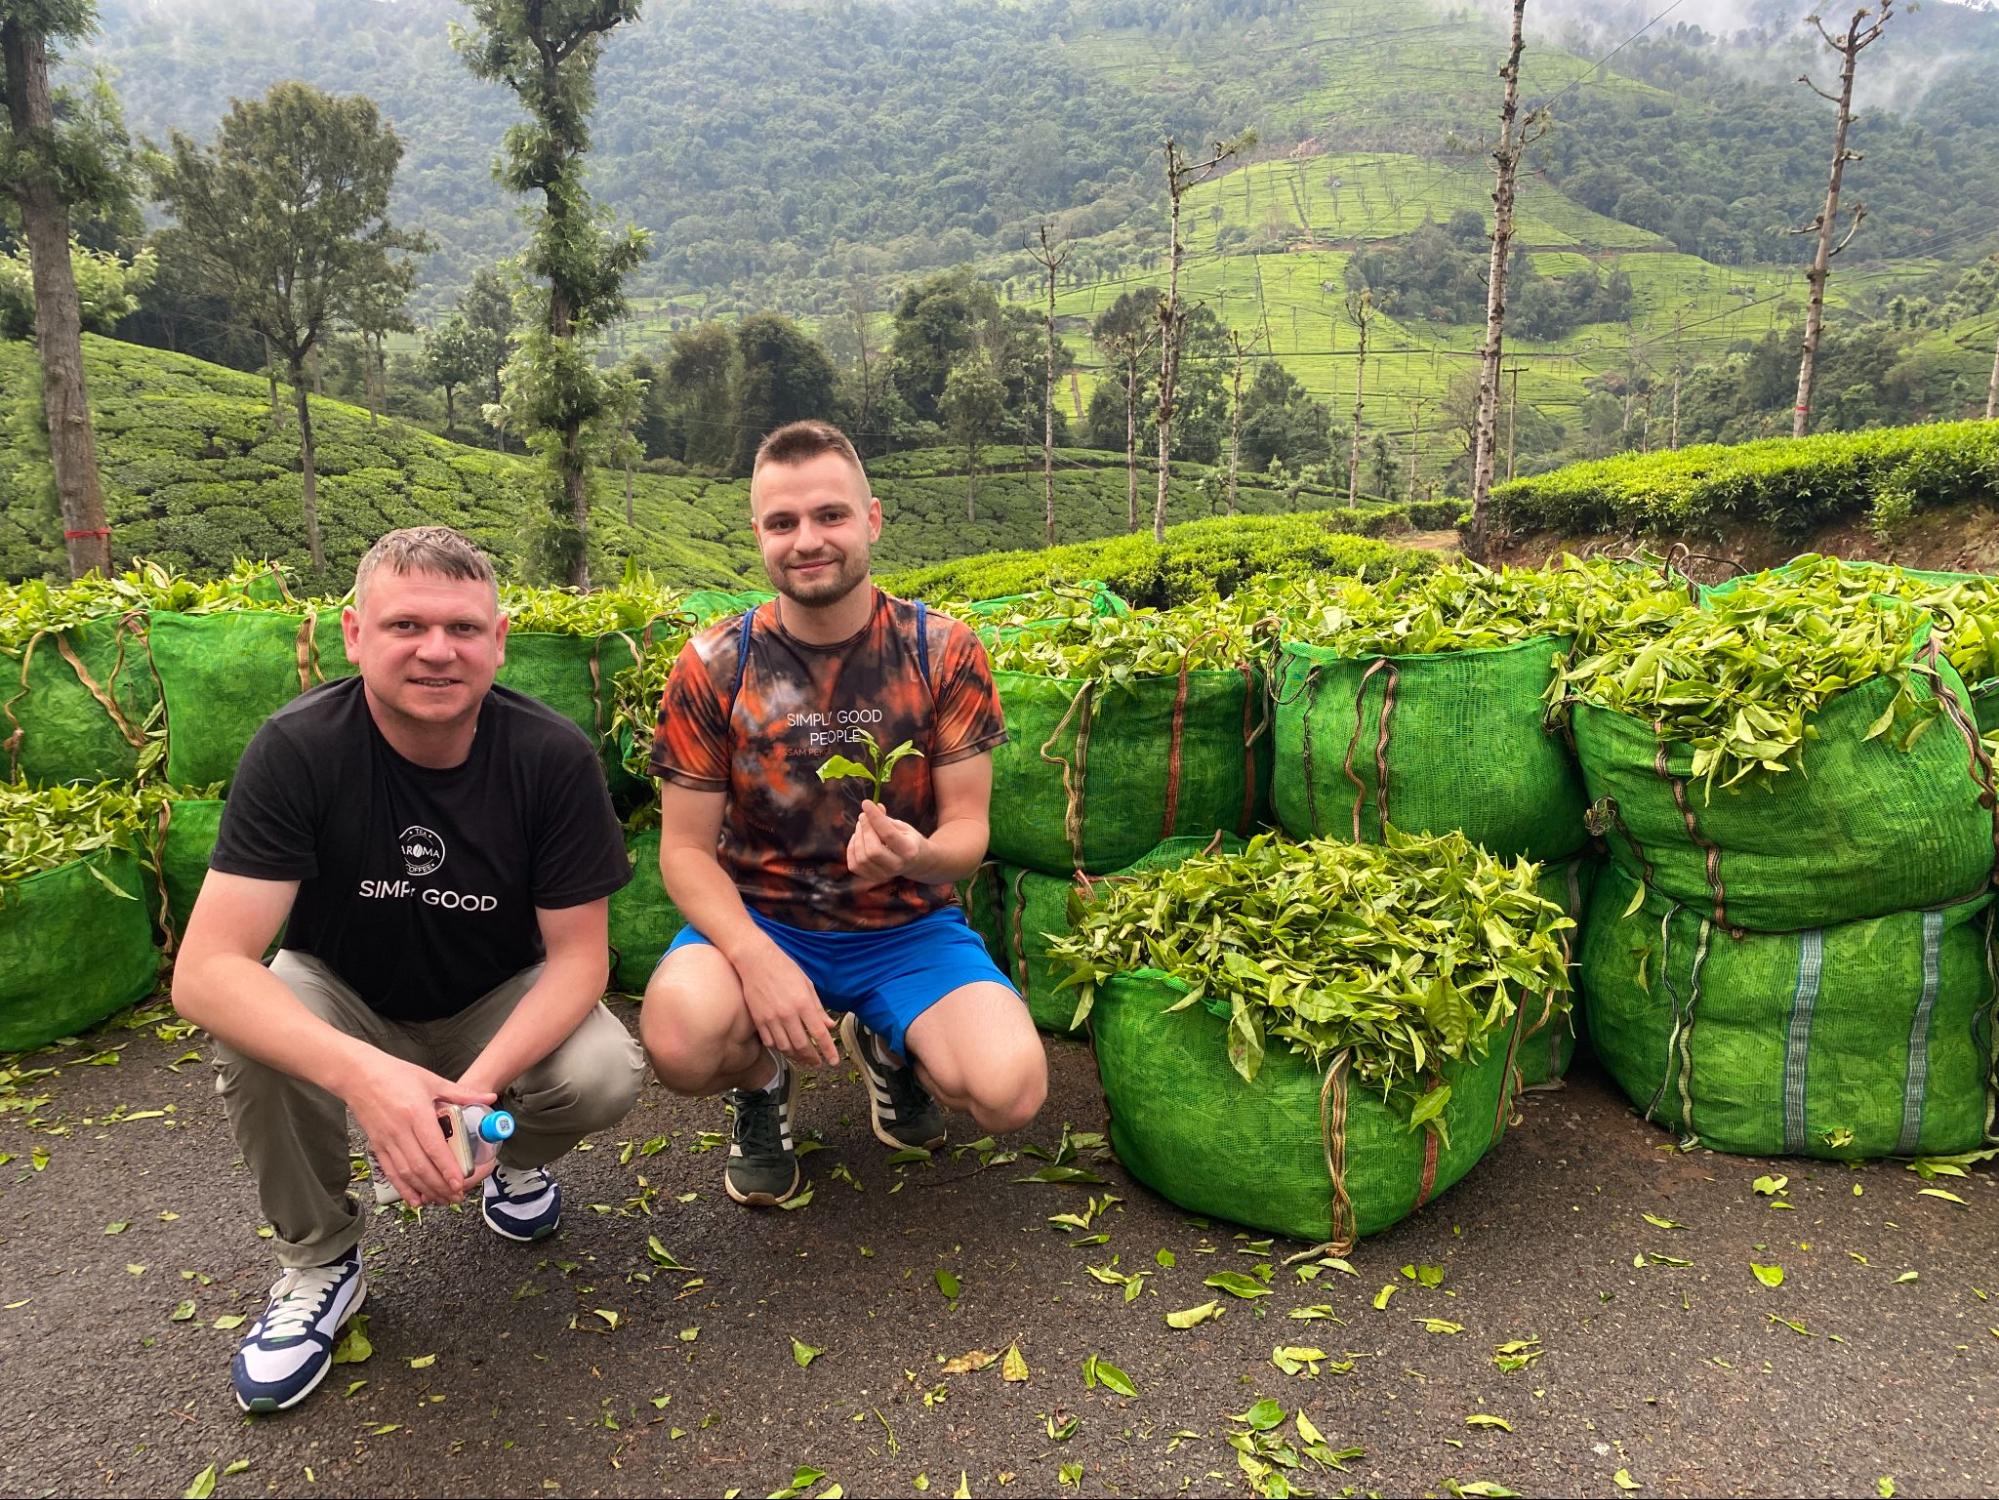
column 886, row 976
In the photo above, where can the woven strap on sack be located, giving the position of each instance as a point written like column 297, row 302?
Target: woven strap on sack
column 1074, row 772
column 1333, row 1137
column 1175, row 747
column 158, row 854
column 1250, row 735
column 1019, row 935
column 1679, row 1040
column 1983, row 773
column 1710, row 849
column 306, row 651
column 1509, row 1078
column 1379, row 664
column 1915, row 1085
column 1798, row 1036
column 1992, row 1020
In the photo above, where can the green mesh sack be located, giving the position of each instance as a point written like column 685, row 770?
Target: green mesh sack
column 1984, row 690
column 1861, row 829
column 1548, row 1035
column 643, row 919
column 1032, row 907
column 186, row 838
column 71, row 952
column 1102, row 601
column 1297, row 1152
column 1871, row 1038
column 1429, row 744
column 980, row 897
column 1096, row 774
column 74, row 703
column 709, row 605
column 223, row 674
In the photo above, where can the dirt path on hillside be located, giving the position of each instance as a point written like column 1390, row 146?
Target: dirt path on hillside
column 587, row 1365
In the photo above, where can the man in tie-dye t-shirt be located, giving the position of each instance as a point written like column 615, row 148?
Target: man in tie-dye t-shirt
column 803, row 894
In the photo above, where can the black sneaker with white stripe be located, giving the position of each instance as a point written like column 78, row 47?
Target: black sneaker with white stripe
column 903, row 1113
column 288, row 1350
column 763, row 1164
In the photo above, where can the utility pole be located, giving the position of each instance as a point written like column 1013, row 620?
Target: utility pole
column 1051, row 260
column 1513, row 144
column 1415, row 440
column 1858, row 38
column 1181, row 175
column 1679, row 368
column 1360, row 307
column 1512, row 420
column 1239, row 352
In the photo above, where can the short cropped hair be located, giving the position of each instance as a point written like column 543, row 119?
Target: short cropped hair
column 425, row 549
column 801, row 442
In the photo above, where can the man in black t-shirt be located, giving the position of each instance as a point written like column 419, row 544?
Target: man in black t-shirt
column 440, row 853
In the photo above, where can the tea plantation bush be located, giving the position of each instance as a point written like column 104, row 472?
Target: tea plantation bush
column 1794, row 484
column 1199, row 558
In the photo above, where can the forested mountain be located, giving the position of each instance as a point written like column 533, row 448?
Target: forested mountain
column 777, row 147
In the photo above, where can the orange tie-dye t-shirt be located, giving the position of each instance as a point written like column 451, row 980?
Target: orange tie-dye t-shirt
column 785, row 832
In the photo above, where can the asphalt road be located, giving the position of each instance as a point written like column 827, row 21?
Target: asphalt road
column 582, row 1366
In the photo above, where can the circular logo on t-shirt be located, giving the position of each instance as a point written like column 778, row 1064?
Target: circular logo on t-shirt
column 423, row 850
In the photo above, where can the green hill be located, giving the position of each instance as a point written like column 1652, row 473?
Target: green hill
column 194, row 477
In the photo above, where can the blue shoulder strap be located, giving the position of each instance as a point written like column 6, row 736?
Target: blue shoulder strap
column 742, row 654
column 923, row 641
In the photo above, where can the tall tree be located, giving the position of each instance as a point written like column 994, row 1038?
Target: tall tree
column 47, row 170
column 287, row 215
column 1858, row 38
column 1125, row 332
column 1515, row 136
column 454, row 356
column 782, row 376
column 488, row 309
column 1051, row 259
column 1182, row 174
column 698, row 365
column 546, row 51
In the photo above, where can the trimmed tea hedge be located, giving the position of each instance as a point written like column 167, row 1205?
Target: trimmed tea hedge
column 1793, row 484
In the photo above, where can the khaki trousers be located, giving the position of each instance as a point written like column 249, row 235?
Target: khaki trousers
column 293, row 1135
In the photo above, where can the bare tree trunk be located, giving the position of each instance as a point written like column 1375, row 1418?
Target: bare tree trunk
column 450, row 419
column 1363, row 312
column 628, row 490
column 1235, row 433
column 1415, row 445
column 1506, row 162
column 1170, row 322
column 1858, row 38
column 307, row 460
column 58, row 311
column 271, row 373
column 1131, row 443
column 1052, row 260
column 1992, row 390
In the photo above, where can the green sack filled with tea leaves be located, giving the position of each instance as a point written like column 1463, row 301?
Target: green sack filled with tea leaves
column 1125, row 731
column 1028, row 911
column 1421, row 702
column 76, row 937
column 1314, row 1038
column 1868, row 1038
column 643, row 917
column 1549, row 1032
column 1787, row 756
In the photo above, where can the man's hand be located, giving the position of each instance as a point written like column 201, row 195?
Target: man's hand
column 786, row 1009
column 395, row 1103
column 882, row 847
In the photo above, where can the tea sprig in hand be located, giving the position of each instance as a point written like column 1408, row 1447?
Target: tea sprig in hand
column 878, row 769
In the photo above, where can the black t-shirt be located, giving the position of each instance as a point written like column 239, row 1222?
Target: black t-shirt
column 418, row 887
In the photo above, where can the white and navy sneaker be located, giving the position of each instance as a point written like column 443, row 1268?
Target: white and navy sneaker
column 903, row 1113
column 763, row 1163
column 289, row 1349
column 521, row 1203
